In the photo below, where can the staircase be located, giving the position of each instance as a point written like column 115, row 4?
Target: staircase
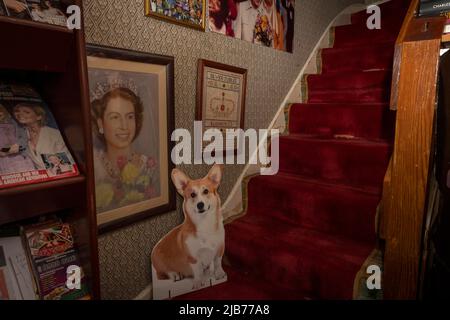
column 308, row 230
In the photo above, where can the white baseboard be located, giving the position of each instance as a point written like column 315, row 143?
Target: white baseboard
column 146, row 294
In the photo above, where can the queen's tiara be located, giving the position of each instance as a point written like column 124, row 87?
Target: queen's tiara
column 102, row 88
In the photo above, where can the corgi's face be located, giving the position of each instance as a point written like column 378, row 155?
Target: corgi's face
column 200, row 196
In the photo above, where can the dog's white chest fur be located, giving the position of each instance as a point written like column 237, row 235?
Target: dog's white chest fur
column 207, row 241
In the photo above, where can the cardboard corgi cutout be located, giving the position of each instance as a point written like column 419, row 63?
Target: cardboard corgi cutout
column 189, row 257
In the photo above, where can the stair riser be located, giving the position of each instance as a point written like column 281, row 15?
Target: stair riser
column 360, row 165
column 370, row 122
column 337, row 60
column 326, row 209
column 390, row 13
column 354, row 35
column 373, row 95
column 349, row 81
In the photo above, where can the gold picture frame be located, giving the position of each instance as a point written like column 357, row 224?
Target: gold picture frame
column 176, row 11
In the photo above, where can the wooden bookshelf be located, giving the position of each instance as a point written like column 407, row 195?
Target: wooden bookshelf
column 53, row 59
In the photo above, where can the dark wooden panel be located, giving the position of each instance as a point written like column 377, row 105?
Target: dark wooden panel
column 422, row 29
column 29, row 201
column 34, row 46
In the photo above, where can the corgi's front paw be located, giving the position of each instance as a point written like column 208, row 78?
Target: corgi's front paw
column 178, row 277
column 219, row 273
column 207, row 273
column 197, row 284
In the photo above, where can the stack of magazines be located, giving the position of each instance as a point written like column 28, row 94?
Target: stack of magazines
column 47, row 11
column 37, row 264
column 32, row 148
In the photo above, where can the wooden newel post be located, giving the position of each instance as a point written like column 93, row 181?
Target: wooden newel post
column 413, row 96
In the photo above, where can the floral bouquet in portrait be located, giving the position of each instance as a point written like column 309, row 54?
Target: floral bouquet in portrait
column 263, row 31
column 133, row 181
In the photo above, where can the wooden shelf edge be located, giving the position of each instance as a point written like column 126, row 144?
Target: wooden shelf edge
column 42, row 186
column 446, row 37
column 35, row 24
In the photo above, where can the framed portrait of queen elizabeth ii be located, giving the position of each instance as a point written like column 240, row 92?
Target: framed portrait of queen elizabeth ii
column 131, row 96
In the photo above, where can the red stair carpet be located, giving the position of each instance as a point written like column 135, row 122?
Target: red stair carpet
column 309, row 229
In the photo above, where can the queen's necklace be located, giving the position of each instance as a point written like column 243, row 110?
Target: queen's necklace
column 113, row 170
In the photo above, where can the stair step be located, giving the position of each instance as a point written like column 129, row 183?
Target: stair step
column 350, row 87
column 391, row 13
column 349, row 80
column 370, row 121
column 309, row 203
column 366, row 95
column 298, row 259
column 357, row 35
column 243, row 286
column 358, row 58
column 359, row 163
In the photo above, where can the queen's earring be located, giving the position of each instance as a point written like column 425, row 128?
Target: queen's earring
column 101, row 130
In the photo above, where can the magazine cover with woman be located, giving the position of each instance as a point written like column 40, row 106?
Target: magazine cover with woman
column 32, row 148
column 47, row 11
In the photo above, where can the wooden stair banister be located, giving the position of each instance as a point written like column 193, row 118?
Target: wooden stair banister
column 413, row 95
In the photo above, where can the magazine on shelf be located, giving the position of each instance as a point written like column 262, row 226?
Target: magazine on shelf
column 17, row 9
column 16, row 280
column 32, row 149
column 51, row 251
column 47, row 11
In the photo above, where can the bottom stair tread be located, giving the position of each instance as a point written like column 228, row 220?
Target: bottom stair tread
column 282, row 261
column 241, row 286
column 296, row 258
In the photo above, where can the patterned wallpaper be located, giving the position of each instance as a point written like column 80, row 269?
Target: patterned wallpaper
column 124, row 254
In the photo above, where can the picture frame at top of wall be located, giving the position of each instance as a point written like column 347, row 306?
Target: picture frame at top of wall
column 187, row 13
column 132, row 115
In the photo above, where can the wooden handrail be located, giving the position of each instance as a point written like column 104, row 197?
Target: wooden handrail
column 413, row 95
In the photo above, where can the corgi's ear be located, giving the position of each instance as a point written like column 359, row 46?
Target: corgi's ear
column 180, row 180
column 215, row 174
